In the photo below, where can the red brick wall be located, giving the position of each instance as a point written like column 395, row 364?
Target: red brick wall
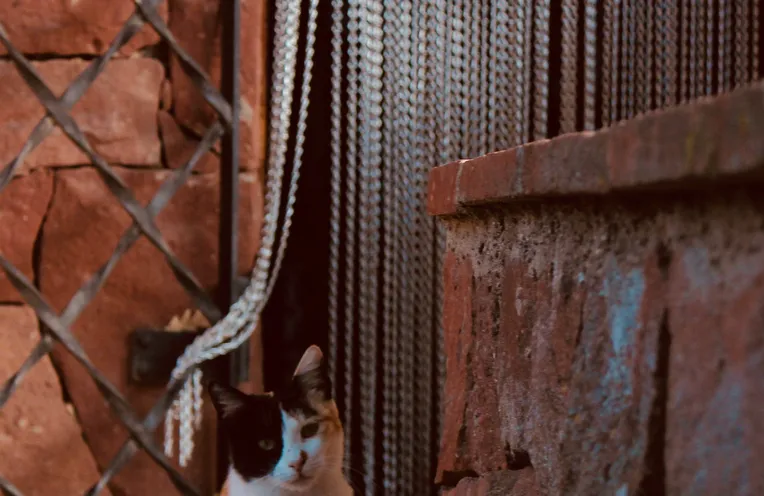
column 59, row 224
column 604, row 309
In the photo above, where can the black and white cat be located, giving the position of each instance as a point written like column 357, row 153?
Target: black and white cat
column 287, row 443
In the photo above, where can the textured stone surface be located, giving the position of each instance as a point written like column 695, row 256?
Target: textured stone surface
column 716, row 396
column 23, row 204
column 616, row 339
column 81, row 231
column 72, row 28
column 42, row 451
column 694, row 143
column 178, row 147
column 117, row 114
column 563, row 323
column 504, row 483
column 196, row 25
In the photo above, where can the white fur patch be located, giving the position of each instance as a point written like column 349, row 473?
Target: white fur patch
column 323, row 466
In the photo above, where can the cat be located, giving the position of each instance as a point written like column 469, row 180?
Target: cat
column 288, row 443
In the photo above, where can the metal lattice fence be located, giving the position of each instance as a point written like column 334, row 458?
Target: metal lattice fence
column 57, row 326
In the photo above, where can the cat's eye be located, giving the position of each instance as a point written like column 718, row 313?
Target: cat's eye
column 266, row 444
column 309, row 430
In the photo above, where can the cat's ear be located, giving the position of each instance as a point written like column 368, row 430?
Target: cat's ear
column 311, row 377
column 311, row 360
column 227, row 400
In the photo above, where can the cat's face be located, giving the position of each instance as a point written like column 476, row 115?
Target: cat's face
column 289, row 439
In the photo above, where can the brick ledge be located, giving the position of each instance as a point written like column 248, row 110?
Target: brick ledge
column 713, row 138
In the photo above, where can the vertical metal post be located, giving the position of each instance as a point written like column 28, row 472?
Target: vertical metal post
column 229, row 179
column 229, row 202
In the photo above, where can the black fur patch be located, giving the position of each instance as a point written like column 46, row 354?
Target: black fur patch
column 257, row 419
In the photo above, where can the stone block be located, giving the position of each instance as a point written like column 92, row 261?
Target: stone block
column 179, row 147
column 82, row 229
column 23, row 205
column 42, row 451
column 196, row 25
column 693, row 144
column 84, row 27
column 117, row 114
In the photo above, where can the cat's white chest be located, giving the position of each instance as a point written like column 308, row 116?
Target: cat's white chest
column 334, row 485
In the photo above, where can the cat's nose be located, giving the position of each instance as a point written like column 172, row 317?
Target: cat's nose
column 298, row 464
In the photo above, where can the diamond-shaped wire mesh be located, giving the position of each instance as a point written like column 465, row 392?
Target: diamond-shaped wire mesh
column 56, row 327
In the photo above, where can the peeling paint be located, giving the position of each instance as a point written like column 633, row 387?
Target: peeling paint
column 624, row 292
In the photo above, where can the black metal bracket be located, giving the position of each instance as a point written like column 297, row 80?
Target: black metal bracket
column 153, row 354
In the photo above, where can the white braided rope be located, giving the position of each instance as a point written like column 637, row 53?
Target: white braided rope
column 242, row 319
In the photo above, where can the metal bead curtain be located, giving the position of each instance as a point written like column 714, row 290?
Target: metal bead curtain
column 425, row 82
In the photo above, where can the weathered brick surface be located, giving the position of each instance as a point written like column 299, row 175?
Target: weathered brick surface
column 558, row 322
column 457, row 323
column 84, row 27
column 616, row 339
column 79, row 235
column 42, row 451
column 23, row 205
column 196, row 25
column 118, row 114
column 503, row 483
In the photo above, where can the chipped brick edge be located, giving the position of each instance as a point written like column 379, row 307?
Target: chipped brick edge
column 712, row 138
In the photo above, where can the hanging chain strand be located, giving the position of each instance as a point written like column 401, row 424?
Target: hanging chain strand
column 447, row 152
column 686, row 55
column 426, row 78
column 407, row 129
column 590, row 64
column 709, row 48
column 569, row 66
column 671, row 52
column 470, row 139
column 392, row 238
column 336, row 190
column 701, row 9
column 650, row 80
column 627, row 61
column 484, row 124
column 616, row 63
column 370, row 78
column 755, row 41
column 351, row 224
column 418, row 134
column 492, row 44
column 742, row 16
column 725, row 45
column 608, row 82
column 541, row 77
column 660, row 12
column 505, row 75
column 696, row 50
column 460, row 52
column 642, row 80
